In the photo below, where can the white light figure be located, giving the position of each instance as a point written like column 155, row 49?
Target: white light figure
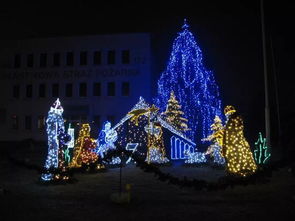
column 194, row 158
column 105, row 141
column 55, row 124
column 71, row 132
column 132, row 147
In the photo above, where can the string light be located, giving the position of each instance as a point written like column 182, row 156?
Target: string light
column 261, row 152
column 217, row 139
column 236, row 149
column 55, row 125
column 84, row 151
column 105, row 141
column 173, row 114
column 193, row 85
column 156, row 150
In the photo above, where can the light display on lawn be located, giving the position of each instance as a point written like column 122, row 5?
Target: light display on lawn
column 236, row 149
column 55, row 125
column 193, row 85
column 155, row 148
column 105, row 141
column 194, row 157
column 217, row 140
column 173, row 114
column 84, row 151
column 261, row 152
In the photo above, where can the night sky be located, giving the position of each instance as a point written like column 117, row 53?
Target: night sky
column 228, row 32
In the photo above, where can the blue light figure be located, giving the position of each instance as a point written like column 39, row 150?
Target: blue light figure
column 106, row 139
column 193, row 85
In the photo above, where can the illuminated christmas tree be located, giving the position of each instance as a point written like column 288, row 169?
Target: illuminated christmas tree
column 173, row 114
column 55, row 125
column 193, row 85
column 217, row 140
column 236, row 149
column 84, row 151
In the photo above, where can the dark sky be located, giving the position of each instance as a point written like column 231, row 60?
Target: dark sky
column 228, row 32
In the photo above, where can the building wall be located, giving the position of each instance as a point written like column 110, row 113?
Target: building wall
column 23, row 71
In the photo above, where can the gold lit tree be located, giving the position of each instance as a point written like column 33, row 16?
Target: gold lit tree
column 173, row 114
column 217, row 141
column 236, row 149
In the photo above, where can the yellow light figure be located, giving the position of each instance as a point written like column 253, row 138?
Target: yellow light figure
column 155, row 147
column 83, row 138
column 236, row 149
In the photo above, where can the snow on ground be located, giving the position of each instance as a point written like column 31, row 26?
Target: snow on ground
column 151, row 199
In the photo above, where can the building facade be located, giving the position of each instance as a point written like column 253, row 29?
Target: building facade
column 96, row 78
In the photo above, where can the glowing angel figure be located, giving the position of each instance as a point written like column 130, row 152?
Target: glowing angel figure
column 55, row 124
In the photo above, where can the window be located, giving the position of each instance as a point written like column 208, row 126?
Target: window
column 2, row 116
column 96, row 120
column 97, row 57
column 55, row 90
column 42, row 90
column 29, row 90
column 56, row 59
column 83, row 58
column 70, row 59
column 30, row 60
column 15, row 122
column 96, row 89
column 125, row 89
column 125, row 57
column 111, row 57
column 43, row 60
column 41, row 122
column 69, row 90
column 83, row 90
column 111, row 118
column 111, row 89
column 28, row 122
column 17, row 61
column 16, row 91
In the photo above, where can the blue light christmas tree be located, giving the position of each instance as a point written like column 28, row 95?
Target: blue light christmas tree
column 193, row 85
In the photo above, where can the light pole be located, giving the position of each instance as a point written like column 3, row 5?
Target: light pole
column 266, row 96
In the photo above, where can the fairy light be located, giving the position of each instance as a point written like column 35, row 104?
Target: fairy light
column 261, row 152
column 156, row 150
column 84, row 150
column 105, row 142
column 236, row 149
column 195, row 157
column 217, row 139
column 173, row 114
column 193, row 85
column 55, row 125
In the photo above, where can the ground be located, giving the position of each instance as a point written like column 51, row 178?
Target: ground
column 23, row 198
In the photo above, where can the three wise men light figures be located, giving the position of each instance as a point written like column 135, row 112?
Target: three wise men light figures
column 57, row 139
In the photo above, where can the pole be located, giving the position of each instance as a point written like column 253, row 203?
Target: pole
column 276, row 93
column 266, row 96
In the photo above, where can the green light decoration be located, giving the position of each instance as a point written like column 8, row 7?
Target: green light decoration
column 66, row 153
column 261, row 152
